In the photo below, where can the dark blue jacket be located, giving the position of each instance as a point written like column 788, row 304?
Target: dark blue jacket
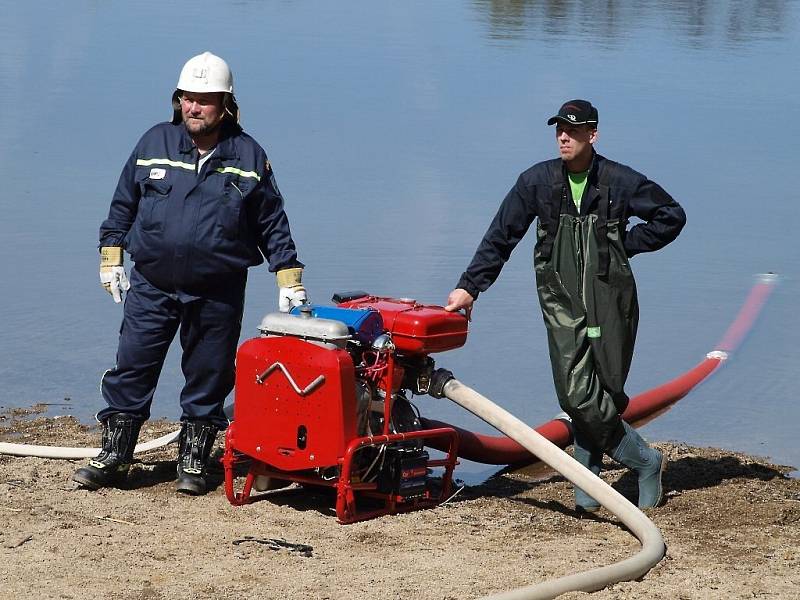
column 190, row 231
column 541, row 192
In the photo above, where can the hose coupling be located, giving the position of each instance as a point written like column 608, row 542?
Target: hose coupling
column 439, row 379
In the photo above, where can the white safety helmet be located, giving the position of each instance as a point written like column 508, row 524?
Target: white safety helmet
column 205, row 73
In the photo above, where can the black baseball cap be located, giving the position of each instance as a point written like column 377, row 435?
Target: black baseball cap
column 575, row 112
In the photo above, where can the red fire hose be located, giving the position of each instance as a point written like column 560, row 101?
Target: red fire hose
column 501, row 450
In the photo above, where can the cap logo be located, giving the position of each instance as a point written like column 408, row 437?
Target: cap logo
column 572, row 117
column 199, row 72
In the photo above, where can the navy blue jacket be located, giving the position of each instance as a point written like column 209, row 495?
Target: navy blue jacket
column 190, row 231
column 538, row 192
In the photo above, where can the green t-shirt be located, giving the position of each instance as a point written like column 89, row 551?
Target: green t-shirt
column 577, row 183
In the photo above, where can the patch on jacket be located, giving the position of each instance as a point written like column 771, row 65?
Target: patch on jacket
column 156, row 173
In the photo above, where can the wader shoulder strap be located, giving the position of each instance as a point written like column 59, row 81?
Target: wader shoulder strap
column 603, row 212
column 550, row 220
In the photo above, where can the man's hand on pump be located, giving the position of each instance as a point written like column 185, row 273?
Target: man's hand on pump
column 459, row 299
column 291, row 292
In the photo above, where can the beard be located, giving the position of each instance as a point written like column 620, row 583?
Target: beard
column 199, row 127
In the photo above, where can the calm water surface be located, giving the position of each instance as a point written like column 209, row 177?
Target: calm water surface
column 395, row 129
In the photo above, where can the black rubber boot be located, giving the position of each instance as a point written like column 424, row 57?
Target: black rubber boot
column 590, row 457
column 195, row 443
column 648, row 463
column 120, row 432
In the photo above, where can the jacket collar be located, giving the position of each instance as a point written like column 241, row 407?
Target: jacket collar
column 593, row 181
column 594, row 167
column 225, row 148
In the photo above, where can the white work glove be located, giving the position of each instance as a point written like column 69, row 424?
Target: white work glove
column 291, row 292
column 112, row 274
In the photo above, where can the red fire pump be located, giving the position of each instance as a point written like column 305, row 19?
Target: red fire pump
column 321, row 399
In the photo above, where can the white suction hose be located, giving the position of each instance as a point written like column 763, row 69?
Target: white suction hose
column 72, row 453
column 68, row 453
column 653, row 548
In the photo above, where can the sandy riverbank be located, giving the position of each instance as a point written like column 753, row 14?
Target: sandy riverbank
column 731, row 523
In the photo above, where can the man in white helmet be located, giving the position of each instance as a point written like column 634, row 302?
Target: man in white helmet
column 195, row 207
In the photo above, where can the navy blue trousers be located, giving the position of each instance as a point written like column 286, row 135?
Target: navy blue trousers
column 209, row 334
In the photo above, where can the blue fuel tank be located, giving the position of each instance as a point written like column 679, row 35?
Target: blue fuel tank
column 364, row 324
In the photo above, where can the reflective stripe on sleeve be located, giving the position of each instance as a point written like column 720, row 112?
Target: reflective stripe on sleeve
column 239, row 172
column 146, row 162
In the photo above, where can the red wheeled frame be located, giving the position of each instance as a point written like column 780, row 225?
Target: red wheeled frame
column 348, row 491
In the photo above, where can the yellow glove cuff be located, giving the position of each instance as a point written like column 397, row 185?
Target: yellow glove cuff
column 289, row 278
column 110, row 256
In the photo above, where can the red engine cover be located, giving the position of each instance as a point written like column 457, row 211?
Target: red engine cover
column 417, row 328
column 281, row 416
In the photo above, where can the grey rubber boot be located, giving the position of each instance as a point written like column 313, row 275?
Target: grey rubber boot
column 648, row 463
column 120, row 432
column 591, row 458
column 194, row 447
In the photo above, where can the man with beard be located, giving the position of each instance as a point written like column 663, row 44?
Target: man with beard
column 195, row 207
column 585, row 284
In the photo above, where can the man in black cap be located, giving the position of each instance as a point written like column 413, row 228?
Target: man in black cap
column 585, row 285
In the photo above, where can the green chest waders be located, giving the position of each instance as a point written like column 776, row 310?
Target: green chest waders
column 588, row 300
